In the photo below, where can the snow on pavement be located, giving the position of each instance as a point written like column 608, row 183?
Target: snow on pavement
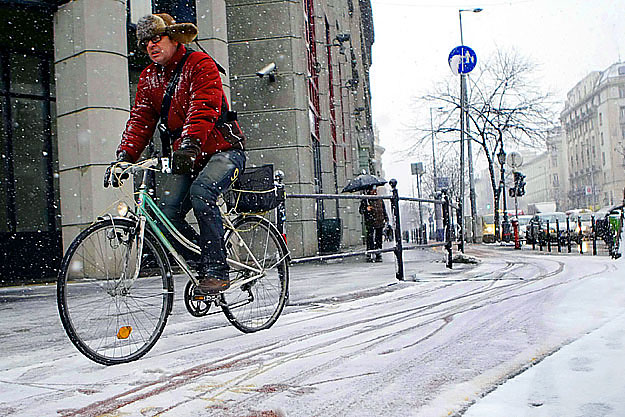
column 352, row 342
column 583, row 378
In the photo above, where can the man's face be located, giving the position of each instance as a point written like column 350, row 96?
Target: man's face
column 161, row 49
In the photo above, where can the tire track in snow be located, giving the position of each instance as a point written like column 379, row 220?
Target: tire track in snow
column 364, row 326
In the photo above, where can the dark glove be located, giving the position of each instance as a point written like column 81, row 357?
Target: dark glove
column 114, row 178
column 182, row 159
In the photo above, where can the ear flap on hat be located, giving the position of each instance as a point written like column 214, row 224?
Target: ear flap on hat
column 182, row 32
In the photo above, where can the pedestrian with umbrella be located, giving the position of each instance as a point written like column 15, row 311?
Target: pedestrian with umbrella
column 373, row 211
column 376, row 218
column 363, row 182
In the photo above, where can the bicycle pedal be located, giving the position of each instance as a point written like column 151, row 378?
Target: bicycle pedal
column 199, row 295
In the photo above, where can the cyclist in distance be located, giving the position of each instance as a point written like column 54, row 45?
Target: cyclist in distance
column 183, row 89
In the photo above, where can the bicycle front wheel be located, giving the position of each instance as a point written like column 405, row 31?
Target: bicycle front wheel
column 110, row 313
column 260, row 262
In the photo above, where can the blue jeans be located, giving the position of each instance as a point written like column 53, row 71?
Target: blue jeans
column 200, row 192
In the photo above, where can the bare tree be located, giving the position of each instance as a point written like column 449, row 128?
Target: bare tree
column 505, row 108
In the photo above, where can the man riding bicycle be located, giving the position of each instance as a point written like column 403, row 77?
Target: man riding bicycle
column 207, row 144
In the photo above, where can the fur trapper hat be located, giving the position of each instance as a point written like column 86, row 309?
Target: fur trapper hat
column 163, row 24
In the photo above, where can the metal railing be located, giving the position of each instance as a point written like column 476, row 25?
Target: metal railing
column 564, row 239
column 394, row 198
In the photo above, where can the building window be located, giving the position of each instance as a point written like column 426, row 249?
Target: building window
column 621, row 91
column 27, row 141
column 29, row 200
column 180, row 10
column 603, row 157
column 600, row 119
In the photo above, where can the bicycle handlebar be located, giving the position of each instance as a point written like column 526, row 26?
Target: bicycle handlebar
column 162, row 164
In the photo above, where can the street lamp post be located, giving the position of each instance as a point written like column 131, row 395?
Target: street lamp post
column 505, row 225
column 463, row 98
column 433, row 148
column 437, row 208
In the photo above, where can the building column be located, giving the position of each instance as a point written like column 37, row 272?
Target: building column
column 213, row 34
column 92, row 102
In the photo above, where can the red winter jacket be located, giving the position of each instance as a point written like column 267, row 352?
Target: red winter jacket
column 195, row 106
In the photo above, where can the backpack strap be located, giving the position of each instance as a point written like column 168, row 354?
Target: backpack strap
column 167, row 136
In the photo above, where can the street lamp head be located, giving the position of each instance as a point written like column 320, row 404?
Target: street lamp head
column 476, row 10
column 501, row 157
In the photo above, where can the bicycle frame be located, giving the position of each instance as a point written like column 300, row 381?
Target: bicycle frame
column 144, row 203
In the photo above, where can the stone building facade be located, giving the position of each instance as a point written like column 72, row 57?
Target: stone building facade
column 547, row 174
column 594, row 124
column 72, row 82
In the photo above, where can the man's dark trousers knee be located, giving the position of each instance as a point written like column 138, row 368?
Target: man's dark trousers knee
column 201, row 192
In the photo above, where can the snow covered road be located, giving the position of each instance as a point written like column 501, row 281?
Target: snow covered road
column 352, row 342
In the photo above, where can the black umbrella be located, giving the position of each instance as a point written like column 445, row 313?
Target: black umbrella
column 363, row 182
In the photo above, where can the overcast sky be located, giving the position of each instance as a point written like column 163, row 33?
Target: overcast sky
column 567, row 39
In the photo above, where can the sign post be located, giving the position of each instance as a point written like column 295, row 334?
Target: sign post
column 418, row 170
column 462, row 60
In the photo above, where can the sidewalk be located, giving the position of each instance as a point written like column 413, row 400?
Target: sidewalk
column 584, row 378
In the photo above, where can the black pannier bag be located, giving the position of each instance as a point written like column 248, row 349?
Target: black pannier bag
column 253, row 192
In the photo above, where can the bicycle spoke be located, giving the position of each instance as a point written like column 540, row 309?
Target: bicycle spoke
column 258, row 301
column 109, row 315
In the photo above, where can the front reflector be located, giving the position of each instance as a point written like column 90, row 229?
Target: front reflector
column 124, row 332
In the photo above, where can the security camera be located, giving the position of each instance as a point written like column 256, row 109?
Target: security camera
column 342, row 37
column 268, row 70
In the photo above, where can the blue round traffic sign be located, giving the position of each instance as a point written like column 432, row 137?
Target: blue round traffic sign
column 462, row 60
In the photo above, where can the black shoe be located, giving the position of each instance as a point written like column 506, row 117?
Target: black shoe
column 212, row 281
column 369, row 259
column 378, row 258
column 213, row 285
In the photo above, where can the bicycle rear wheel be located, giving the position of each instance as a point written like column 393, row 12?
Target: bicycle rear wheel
column 108, row 314
column 257, row 304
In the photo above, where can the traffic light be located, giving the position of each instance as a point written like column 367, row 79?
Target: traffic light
column 519, row 185
column 512, row 192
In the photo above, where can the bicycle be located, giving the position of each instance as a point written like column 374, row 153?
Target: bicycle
column 115, row 286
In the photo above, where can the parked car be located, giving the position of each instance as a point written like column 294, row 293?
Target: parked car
column 537, row 227
column 488, row 228
column 586, row 225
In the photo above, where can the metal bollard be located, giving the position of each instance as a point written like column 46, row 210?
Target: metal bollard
column 447, row 227
column 579, row 237
column 558, row 234
column 548, row 237
column 568, row 234
column 594, row 236
column 399, row 270
column 515, row 227
column 281, row 209
column 461, row 223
